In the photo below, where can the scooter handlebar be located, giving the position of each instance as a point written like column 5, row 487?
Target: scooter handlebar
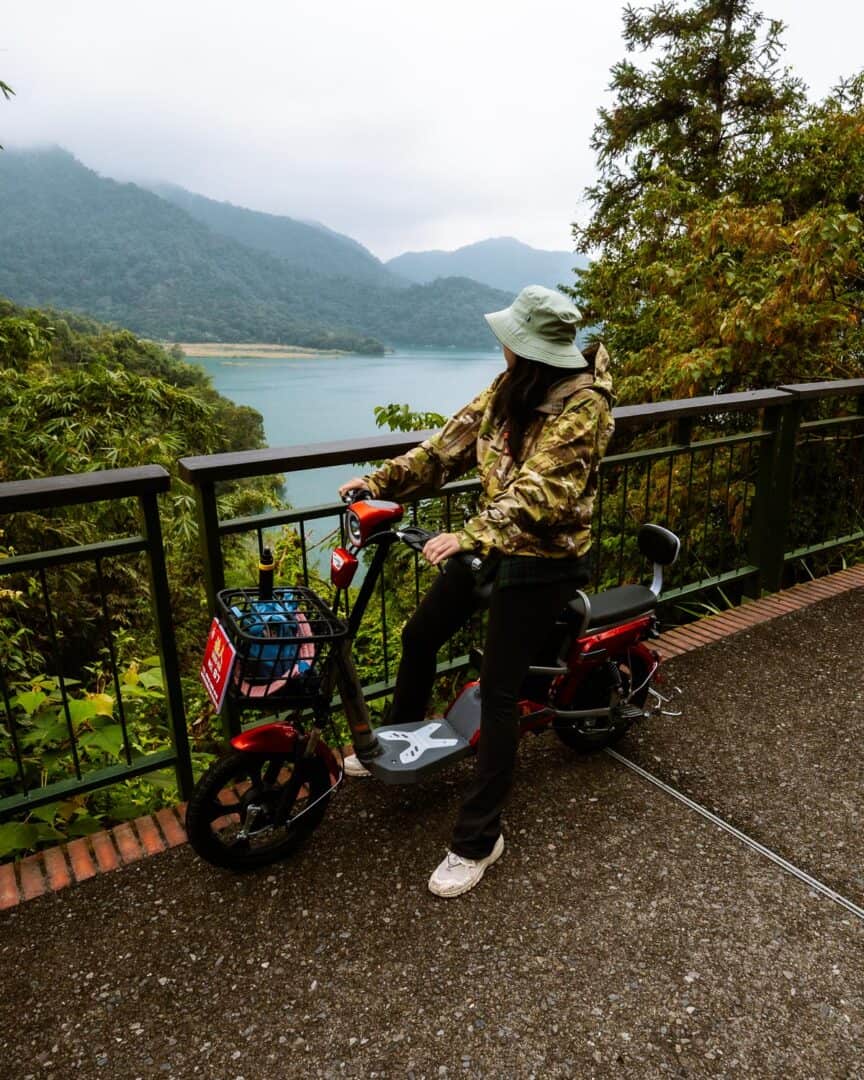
column 417, row 538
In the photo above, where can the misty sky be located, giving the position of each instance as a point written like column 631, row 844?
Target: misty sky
column 405, row 125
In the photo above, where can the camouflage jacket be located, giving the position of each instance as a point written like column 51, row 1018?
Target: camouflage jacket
column 541, row 506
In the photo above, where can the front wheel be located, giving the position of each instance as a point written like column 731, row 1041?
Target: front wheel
column 249, row 810
column 597, row 692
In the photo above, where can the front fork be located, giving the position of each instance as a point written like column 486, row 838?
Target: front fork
column 343, row 674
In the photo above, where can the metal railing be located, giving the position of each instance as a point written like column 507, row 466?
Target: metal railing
column 49, row 578
column 820, row 462
column 723, row 471
column 753, row 483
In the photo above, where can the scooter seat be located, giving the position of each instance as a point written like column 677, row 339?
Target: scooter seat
column 609, row 607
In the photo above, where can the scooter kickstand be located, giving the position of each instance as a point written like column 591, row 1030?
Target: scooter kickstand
column 661, row 700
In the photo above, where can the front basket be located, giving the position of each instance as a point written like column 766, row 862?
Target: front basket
column 281, row 643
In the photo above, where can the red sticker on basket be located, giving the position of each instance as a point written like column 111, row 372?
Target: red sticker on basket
column 217, row 664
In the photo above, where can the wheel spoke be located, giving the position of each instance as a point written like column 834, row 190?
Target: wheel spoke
column 290, row 793
column 228, row 801
column 234, row 823
column 271, row 773
column 220, row 817
column 216, row 809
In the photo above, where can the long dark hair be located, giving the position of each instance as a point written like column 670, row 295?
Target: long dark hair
column 524, row 387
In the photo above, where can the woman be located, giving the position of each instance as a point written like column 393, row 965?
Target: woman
column 537, row 435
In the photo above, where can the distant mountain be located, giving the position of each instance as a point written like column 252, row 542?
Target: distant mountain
column 72, row 239
column 502, row 263
column 302, row 245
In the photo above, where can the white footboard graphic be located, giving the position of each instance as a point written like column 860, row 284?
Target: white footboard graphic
column 419, row 741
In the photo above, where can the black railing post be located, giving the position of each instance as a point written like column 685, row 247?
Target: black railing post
column 167, row 643
column 772, row 500
column 213, row 572
column 212, row 566
column 682, row 431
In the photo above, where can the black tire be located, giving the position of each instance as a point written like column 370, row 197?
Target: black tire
column 218, row 810
column 596, row 692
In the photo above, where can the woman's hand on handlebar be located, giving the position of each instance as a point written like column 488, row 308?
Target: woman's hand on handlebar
column 357, row 483
column 441, row 547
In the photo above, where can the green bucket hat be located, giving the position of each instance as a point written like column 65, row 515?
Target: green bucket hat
column 540, row 324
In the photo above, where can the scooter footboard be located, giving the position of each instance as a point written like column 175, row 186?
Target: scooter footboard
column 464, row 714
column 411, row 752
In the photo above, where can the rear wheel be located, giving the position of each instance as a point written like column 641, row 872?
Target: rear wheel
column 589, row 735
column 249, row 810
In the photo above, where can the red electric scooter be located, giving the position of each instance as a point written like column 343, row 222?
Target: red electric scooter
column 293, row 653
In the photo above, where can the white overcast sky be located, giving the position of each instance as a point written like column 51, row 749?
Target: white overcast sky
column 407, row 125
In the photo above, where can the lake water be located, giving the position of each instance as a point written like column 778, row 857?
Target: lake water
column 325, row 398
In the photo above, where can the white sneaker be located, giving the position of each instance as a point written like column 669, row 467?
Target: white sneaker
column 456, row 875
column 353, row 766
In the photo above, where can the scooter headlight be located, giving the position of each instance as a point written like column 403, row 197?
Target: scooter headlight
column 353, row 528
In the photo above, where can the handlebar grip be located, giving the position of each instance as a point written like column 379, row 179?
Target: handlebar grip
column 356, row 495
column 415, row 537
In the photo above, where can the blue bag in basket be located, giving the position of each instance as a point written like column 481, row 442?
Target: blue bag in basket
column 268, row 665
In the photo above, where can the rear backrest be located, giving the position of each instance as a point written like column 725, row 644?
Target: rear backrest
column 659, row 544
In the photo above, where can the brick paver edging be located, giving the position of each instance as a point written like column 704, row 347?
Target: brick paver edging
column 714, row 627
column 57, row 867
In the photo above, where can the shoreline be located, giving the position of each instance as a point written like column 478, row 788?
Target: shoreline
column 251, row 350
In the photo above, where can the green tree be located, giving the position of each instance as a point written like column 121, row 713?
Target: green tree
column 727, row 215
column 759, row 294
column 22, row 342
column 404, row 418
column 714, row 86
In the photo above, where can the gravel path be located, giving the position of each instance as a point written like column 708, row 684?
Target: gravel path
column 620, row 935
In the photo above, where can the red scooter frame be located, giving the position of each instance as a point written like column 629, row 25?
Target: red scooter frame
column 256, row 803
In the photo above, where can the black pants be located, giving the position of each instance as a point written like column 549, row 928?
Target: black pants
column 521, row 618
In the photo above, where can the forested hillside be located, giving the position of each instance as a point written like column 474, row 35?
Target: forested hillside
column 76, row 396
column 75, row 240
column 300, row 245
column 502, row 263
